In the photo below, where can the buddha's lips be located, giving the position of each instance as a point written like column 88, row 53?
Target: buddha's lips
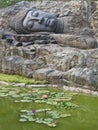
column 49, row 22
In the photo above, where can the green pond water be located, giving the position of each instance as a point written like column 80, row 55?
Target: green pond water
column 83, row 118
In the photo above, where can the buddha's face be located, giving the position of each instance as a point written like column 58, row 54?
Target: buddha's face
column 37, row 21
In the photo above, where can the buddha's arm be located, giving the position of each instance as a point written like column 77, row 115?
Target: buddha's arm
column 76, row 41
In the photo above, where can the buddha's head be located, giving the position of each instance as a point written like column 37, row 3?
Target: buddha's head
column 36, row 20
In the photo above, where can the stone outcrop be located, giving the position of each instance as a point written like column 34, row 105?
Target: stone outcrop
column 70, row 59
column 94, row 19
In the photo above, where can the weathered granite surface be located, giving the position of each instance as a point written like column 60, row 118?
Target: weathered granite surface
column 47, row 57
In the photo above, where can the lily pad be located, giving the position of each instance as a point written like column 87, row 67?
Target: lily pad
column 48, row 120
column 65, row 115
column 3, row 95
column 24, row 116
column 39, row 120
column 55, row 117
column 16, row 101
column 22, row 119
column 25, row 100
column 31, row 119
column 40, row 101
column 3, row 90
column 15, row 95
column 52, row 124
column 25, row 111
column 40, row 110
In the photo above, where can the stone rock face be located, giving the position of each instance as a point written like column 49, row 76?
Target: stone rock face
column 70, row 59
column 78, row 41
column 94, row 19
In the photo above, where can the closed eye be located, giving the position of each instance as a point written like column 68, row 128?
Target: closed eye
column 35, row 14
column 30, row 24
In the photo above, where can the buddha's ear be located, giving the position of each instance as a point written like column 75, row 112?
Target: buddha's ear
column 17, row 25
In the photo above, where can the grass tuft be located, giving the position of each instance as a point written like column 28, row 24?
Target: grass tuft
column 19, row 79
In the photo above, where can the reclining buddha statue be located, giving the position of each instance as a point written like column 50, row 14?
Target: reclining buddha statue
column 62, row 29
column 35, row 20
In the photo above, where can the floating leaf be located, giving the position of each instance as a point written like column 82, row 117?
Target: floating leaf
column 25, row 94
column 30, row 114
column 24, row 116
column 53, row 93
column 48, row 119
column 39, row 120
column 3, row 95
column 40, row 110
column 47, row 109
column 16, row 101
column 71, row 105
column 55, row 117
column 40, row 101
column 26, row 100
column 3, row 90
column 15, row 96
column 52, row 125
column 23, row 111
column 27, row 111
column 43, row 92
column 30, row 118
column 65, row 115
column 22, row 119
